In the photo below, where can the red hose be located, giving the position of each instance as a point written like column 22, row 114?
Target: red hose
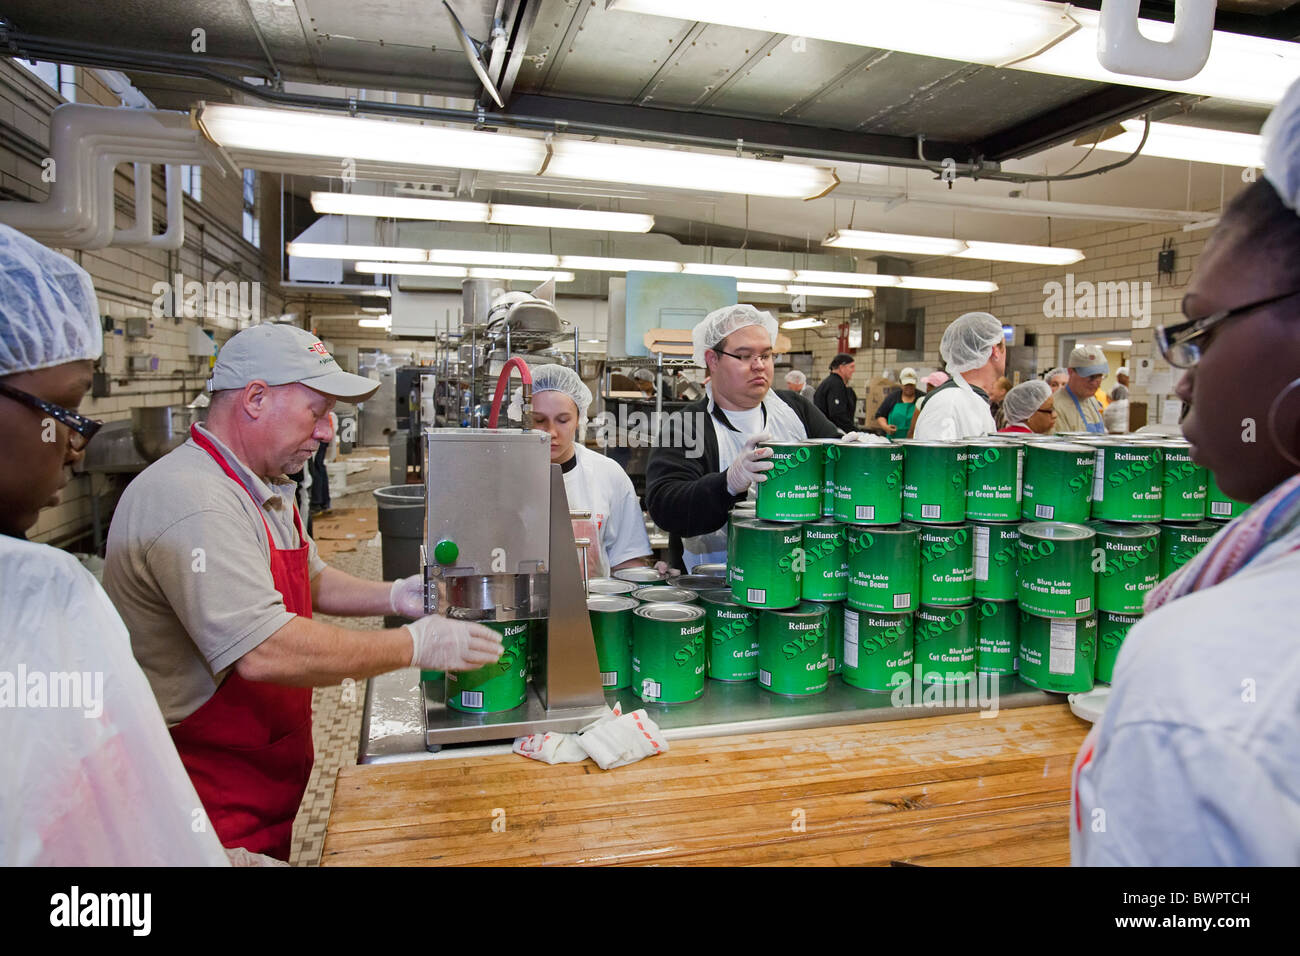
column 503, row 381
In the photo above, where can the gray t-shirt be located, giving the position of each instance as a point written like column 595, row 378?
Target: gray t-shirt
column 189, row 569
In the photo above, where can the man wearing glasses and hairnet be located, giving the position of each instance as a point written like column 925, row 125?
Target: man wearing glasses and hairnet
column 690, row 496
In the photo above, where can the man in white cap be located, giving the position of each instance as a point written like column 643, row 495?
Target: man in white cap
column 690, row 491
column 1077, row 410
column 894, row 416
column 217, row 582
column 975, row 351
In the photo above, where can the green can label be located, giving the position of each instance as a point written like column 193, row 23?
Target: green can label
column 997, row 637
column 793, row 656
column 884, row 568
column 1112, row 629
column 1180, row 543
column 1218, row 506
column 766, row 564
column 1185, row 485
column 1058, row 482
column 1055, row 568
column 733, row 638
column 934, row 482
column 1130, row 568
column 994, row 475
column 947, row 565
column 869, row 484
column 794, row 487
column 944, row 642
column 877, row 648
column 826, row 561
column 611, row 627
column 497, row 687
column 669, row 656
column 997, row 552
column 1128, row 482
column 1058, row 655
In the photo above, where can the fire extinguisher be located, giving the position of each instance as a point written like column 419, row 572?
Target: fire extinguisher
column 843, row 344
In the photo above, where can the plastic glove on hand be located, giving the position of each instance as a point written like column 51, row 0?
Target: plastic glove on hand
column 662, row 568
column 443, row 644
column 407, row 597
column 750, row 465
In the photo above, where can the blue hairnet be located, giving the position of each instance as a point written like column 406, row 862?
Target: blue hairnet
column 48, row 311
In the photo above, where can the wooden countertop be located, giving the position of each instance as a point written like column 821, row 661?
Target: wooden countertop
column 948, row 790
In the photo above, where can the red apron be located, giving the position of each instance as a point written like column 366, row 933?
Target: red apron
column 249, row 750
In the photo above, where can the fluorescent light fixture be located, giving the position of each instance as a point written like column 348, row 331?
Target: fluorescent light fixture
column 1014, row 252
column 833, row 292
column 844, row 278
column 680, row 169
column 460, row 272
column 382, row 293
column 303, row 133
column 1032, row 35
column 382, row 322
column 894, row 242
column 757, row 273
column 805, row 322
column 761, row 288
column 1121, row 343
column 607, row 264
column 1172, row 141
column 473, row 257
column 522, row 275
column 327, row 250
column 931, row 284
column 446, row 210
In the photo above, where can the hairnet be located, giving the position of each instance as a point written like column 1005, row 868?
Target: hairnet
column 720, row 323
column 796, row 377
column 1281, row 135
column 48, row 311
column 1025, row 399
column 1059, row 370
column 553, row 378
column 968, row 342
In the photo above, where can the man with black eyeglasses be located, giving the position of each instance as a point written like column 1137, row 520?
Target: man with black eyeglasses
column 690, row 490
column 1196, row 758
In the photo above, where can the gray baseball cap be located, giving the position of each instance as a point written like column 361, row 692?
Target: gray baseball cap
column 283, row 354
column 1089, row 360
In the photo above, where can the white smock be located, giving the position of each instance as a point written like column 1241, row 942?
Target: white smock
column 782, row 424
column 953, row 413
column 616, row 527
column 1196, row 759
column 91, row 777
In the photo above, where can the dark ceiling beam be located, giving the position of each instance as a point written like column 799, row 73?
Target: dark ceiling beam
column 519, row 31
column 1109, row 104
column 788, row 138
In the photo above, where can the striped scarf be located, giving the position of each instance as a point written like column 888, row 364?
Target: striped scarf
column 1267, row 520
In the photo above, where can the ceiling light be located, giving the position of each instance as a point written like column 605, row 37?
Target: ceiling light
column 328, row 250
column 829, row 291
column 607, row 264
column 1172, row 141
column 522, row 275
column 844, row 278
column 303, row 133
column 412, row 269
column 932, row 284
column 382, row 322
column 1014, row 252
column 474, row 257
column 760, row 287
column 1121, row 343
column 757, row 273
column 894, row 242
column 444, row 210
column 804, row 322
column 1033, row 35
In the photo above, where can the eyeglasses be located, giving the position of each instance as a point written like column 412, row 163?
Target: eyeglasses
column 767, row 358
column 1044, row 411
column 81, row 428
column 1177, row 343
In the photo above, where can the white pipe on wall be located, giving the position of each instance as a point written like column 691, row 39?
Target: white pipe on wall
column 1121, row 47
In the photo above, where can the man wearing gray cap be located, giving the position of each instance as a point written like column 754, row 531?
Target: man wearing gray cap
column 1076, row 408
column 217, row 582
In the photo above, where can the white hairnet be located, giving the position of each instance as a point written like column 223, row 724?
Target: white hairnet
column 1059, row 370
column 796, row 377
column 969, row 340
column 553, row 378
column 1025, row 399
column 1281, row 135
column 720, row 323
column 48, row 311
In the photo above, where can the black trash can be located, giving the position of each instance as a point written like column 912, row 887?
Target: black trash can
column 401, row 529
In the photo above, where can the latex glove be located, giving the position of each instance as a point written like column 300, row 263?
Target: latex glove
column 444, row 644
column 749, row 465
column 616, row 741
column 407, row 597
column 551, row 748
column 662, row 568
column 865, row 438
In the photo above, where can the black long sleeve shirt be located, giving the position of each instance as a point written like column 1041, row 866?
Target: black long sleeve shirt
column 837, row 401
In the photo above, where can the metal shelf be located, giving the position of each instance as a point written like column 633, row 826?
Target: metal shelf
column 653, row 361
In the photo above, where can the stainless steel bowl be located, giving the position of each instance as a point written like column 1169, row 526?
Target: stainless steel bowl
column 159, row 429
